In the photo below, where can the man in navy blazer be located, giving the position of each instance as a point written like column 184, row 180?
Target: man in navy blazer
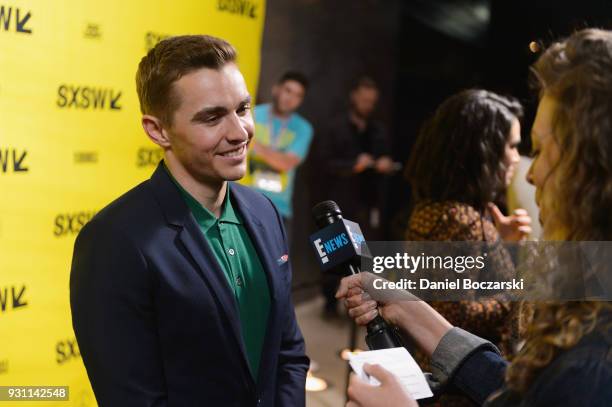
column 166, row 312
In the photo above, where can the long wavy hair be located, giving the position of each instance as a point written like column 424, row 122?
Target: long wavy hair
column 577, row 74
column 463, row 144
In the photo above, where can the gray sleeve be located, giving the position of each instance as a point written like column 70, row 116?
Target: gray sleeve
column 454, row 348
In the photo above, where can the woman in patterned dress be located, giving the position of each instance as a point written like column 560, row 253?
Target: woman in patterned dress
column 463, row 160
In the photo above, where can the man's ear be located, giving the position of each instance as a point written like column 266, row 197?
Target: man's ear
column 155, row 130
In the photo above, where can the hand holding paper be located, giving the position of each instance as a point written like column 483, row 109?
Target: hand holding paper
column 399, row 363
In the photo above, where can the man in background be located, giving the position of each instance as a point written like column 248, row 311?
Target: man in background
column 353, row 154
column 282, row 139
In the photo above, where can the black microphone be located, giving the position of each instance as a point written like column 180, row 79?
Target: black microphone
column 339, row 245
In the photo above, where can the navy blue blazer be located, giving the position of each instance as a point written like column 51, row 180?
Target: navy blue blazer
column 156, row 321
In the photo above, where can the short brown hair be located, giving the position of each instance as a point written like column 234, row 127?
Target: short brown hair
column 364, row 82
column 168, row 61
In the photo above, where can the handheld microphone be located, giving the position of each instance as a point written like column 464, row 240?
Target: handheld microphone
column 339, row 245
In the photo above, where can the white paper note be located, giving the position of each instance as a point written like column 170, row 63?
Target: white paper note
column 399, row 362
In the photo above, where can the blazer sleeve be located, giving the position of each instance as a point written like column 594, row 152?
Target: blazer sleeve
column 292, row 360
column 111, row 299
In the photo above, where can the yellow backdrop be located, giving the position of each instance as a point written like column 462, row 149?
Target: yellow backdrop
column 71, row 142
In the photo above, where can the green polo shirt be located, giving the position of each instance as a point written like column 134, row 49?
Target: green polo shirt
column 235, row 253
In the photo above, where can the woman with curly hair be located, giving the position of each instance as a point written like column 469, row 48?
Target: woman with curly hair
column 471, row 143
column 463, row 160
column 566, row 359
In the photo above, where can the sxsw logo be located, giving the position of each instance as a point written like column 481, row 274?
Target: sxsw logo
column 66, row 350
column 71, row 223
column 12, row 297
column 85, row 157
column 13, row 160
column 146, row 157
column 151, row 39
column 244, row 8
column 17, row 16
column 87, row 98
column 331, row 245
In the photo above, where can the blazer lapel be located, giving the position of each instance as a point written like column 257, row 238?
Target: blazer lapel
column 199, row 249
column 262, row 239
column 177, row 213
column 264, row 242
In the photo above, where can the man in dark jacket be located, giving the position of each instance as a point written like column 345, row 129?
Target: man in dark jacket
column 180, row 289
column 354, row 154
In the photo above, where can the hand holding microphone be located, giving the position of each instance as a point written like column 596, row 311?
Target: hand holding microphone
column 359, row 303
column 339, row 245
column 415, row 318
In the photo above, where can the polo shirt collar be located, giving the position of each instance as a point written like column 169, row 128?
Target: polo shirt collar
column 204, row 217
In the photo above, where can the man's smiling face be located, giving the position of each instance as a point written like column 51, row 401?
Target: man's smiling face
column 213, row 125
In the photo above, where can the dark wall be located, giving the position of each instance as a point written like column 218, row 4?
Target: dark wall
column 420, row 52
column 333, row 43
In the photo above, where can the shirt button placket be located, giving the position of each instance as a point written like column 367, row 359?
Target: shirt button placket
column 226, row 241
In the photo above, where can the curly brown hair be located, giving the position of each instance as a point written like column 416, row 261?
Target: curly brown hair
column 463, row 143
column 577, row 73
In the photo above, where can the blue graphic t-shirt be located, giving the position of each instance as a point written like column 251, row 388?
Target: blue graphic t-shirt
column 292, row 135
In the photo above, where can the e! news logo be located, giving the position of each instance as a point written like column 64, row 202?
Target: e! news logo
column 71, row 223
column 329, row 246
column 244, row 8
column 66, row 350
column 87, row 98
column 17, row 16
column 13, row 160
column 356, row 238
column 12, row 297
